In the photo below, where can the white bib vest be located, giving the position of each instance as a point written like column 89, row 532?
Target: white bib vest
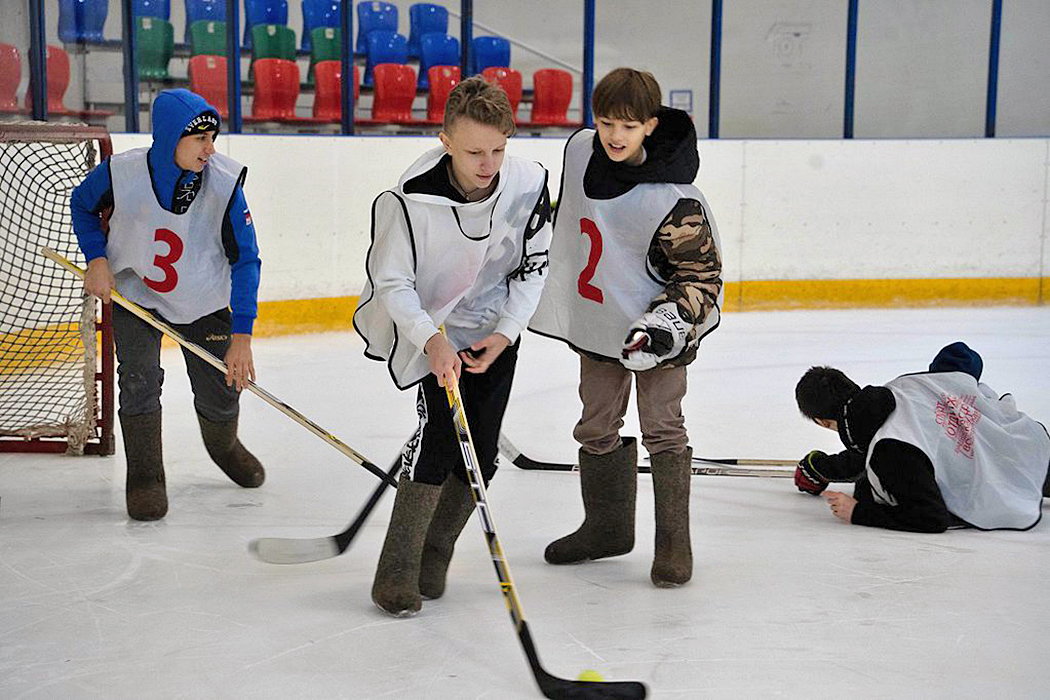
column 469, row 252
column 600, row 281
column 174, row 263
column 989, row 459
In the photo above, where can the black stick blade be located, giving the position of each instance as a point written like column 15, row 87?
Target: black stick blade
column 279, row 550
column 561, row 689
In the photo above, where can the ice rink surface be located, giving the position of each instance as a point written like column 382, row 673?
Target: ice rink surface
column 785, row 600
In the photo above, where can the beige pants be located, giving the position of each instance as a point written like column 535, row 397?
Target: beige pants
column 605, row 388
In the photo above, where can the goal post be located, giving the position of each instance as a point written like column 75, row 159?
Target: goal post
column 56, row 351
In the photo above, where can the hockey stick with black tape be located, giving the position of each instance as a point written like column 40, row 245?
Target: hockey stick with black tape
column 221, row 366
column 285, row 550
column 718, row 467
column 550, row 686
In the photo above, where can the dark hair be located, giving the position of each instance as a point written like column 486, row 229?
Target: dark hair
column 482, row 101
column 628, row 94
column 822, row 392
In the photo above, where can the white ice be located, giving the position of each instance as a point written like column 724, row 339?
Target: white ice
column 785, row 600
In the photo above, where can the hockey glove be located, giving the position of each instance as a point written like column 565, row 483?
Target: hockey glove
column 658, row 335
column 807, row 478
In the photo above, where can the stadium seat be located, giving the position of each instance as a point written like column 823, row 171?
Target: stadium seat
column 490, row 51
column 442, row 80
column 81, row 21
column 203, row 10
column 395, row 89
column 276, row 89
column 57, row 81
column 208, row 79
column 273, row 41
column 208, row 37
column 384, row 47
column 154, row 44
column 508, row 79
column 263, row 12
column 425, row 18
column 329, row 94
column 325, row 46
column 318, row 13
column 551, row 96
column 10, row 76
column 161, row 9
column 374, row 16
column 436, row 50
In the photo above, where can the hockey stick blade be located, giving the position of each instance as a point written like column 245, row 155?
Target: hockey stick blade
column 563, row 689
column 282, row 550
column 719, row 467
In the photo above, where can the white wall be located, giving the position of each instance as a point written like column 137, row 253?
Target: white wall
column 786, row 210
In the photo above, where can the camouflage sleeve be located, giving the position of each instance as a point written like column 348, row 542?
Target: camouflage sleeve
column 684, row 253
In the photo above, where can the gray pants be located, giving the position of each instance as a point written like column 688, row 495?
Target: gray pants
column 140, row 376
column 605, row 388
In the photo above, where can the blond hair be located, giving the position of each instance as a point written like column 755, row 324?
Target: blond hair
column 628, row 94
column 481, row 101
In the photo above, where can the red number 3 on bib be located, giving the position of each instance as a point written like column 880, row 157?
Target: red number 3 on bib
column 583, row 283
column 166, row 262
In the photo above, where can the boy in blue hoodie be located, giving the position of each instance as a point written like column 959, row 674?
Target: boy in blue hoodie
column 168, row 226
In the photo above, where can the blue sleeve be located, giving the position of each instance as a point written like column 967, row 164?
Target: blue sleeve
column 89, row 198
column 958, row 357
column 242, row 251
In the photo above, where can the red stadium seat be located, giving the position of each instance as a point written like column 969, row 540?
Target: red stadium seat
column 276, row 89
column 508, row 79
column 208, row 79
column 57, row 81
column 10, row 76
column 442, row 80
column 551, row 96
column 329, row 93
column 395, row 89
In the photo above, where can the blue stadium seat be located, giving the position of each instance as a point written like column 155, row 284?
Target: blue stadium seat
column 490, row 51
column 318, row 13
column 81, row 20
column 263, row 12
column 209, row 10
column 384, row 47
column 425, row 18
column 436, row 50
column 371, row 17
column 152, row 8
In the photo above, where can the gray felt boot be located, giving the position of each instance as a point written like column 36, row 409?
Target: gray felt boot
column 673, row 563
column 609, row 484
column 395, row 589
column 220, row 439
column 144, row 491
column 453, row 511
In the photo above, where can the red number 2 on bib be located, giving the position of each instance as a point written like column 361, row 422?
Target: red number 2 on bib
column 583, row 284
column 166, row 262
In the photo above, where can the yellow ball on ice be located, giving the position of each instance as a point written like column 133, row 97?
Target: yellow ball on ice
column 589, row 675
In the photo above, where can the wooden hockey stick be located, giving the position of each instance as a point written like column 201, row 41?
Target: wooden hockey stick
column 550, row 686
column 777, row 468
column 221, row 366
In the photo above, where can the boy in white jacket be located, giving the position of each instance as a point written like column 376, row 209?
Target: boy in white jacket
column 460, row 242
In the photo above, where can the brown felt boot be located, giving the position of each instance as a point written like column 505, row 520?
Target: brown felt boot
column 220, row 439
column 609, row 484
column 453, row 511
column 395, row 589
column 673, row 563
column 144, row 491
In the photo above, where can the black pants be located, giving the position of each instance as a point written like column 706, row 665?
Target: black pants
column 140, row 376
column 433, row 452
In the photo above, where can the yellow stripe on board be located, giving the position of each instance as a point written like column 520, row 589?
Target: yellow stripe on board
column 34, row 348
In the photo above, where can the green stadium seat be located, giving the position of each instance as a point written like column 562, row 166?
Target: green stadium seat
column 325, row 45
column 154, row 44
column 208, row 38
column 273, row 41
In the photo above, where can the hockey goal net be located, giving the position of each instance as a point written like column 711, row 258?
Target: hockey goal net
column 56, row 354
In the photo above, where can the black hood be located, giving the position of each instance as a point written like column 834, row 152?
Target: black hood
column 671, row 156
column 863, row 415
